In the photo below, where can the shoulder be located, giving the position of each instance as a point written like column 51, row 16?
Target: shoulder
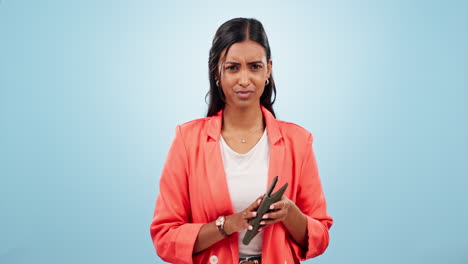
column 295, row 132
column 195, row 124
column 194, row 130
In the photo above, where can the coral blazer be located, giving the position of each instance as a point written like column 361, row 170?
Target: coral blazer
column 194, row 191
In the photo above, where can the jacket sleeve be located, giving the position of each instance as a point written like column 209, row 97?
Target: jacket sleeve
column 311, row 200
column 172, row 233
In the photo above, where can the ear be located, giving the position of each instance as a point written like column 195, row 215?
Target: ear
column 269, row 66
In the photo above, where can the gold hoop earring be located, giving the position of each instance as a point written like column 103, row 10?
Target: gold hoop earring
column 267, row 82
column 217, row 83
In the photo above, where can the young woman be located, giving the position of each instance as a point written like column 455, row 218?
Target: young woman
column 219, row 167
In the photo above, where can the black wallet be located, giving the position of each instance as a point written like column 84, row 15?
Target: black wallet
column 264, row 208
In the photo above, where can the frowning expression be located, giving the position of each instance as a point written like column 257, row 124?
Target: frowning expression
column 243, row 73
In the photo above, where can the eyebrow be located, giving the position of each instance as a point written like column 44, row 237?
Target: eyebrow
column 237, row 63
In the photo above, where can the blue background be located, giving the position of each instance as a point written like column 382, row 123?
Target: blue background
column 91, row 91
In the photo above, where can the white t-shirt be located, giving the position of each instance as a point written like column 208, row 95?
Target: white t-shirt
column 247, row 176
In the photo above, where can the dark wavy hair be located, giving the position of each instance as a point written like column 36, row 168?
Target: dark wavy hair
column 233, row 31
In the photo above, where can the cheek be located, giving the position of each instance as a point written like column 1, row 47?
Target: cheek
column 260, row 78
column 228, row 83
column 260, row 82
column 229, row 80
column 261, row 90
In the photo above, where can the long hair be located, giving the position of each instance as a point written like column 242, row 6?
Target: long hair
column 233, row 31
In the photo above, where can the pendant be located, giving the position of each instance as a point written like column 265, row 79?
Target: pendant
column 243, row 140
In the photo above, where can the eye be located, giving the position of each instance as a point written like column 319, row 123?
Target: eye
column 256, row 66
column 231, row 68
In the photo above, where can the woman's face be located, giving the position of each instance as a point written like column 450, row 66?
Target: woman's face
column 244, row 73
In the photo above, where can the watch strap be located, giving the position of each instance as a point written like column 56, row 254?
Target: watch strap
column 221, row 228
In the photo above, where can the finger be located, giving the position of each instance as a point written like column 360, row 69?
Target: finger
column 248, row 226
column 259, row 200
column 279, row 205
column 274, row 215
column 265, row 223
column 248, row 214
column 254, row 206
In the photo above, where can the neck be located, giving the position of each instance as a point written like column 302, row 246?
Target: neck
column 242, row 119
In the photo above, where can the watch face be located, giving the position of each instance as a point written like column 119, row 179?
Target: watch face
column 219, row 221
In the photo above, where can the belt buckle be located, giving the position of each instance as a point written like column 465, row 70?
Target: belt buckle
column 247, row 259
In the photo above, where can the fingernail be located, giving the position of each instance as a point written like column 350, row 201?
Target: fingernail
column 254, row 214
column 272, row 207
column 260, row 229
column 250, row 227
column 262, row 222
column 259, row 200
column 265, row 217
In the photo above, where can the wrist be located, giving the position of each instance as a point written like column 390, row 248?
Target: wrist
column 220, row 224
column 293, row 213
column 228, row 225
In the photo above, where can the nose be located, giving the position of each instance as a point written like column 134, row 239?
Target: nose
column 244, row 78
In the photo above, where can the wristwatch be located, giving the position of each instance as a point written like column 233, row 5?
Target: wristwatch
column 220, row 225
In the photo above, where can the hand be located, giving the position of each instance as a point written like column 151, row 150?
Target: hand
column 239, row 221
column 280, row 212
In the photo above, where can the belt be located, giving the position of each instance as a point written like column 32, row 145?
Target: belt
column 251, row 260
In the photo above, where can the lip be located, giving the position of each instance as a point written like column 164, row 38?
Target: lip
column 244, row 94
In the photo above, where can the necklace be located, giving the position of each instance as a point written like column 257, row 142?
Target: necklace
column 244, row 139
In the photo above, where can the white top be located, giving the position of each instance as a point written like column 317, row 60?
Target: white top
column 247, row 177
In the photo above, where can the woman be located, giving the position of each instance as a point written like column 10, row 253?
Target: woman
column 218, row 167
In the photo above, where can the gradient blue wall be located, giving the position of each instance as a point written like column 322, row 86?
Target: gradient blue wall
column 91, row 91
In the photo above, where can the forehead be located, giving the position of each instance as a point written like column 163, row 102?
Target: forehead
column 247, row 50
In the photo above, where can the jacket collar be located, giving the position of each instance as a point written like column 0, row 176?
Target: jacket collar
column 273, row 130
